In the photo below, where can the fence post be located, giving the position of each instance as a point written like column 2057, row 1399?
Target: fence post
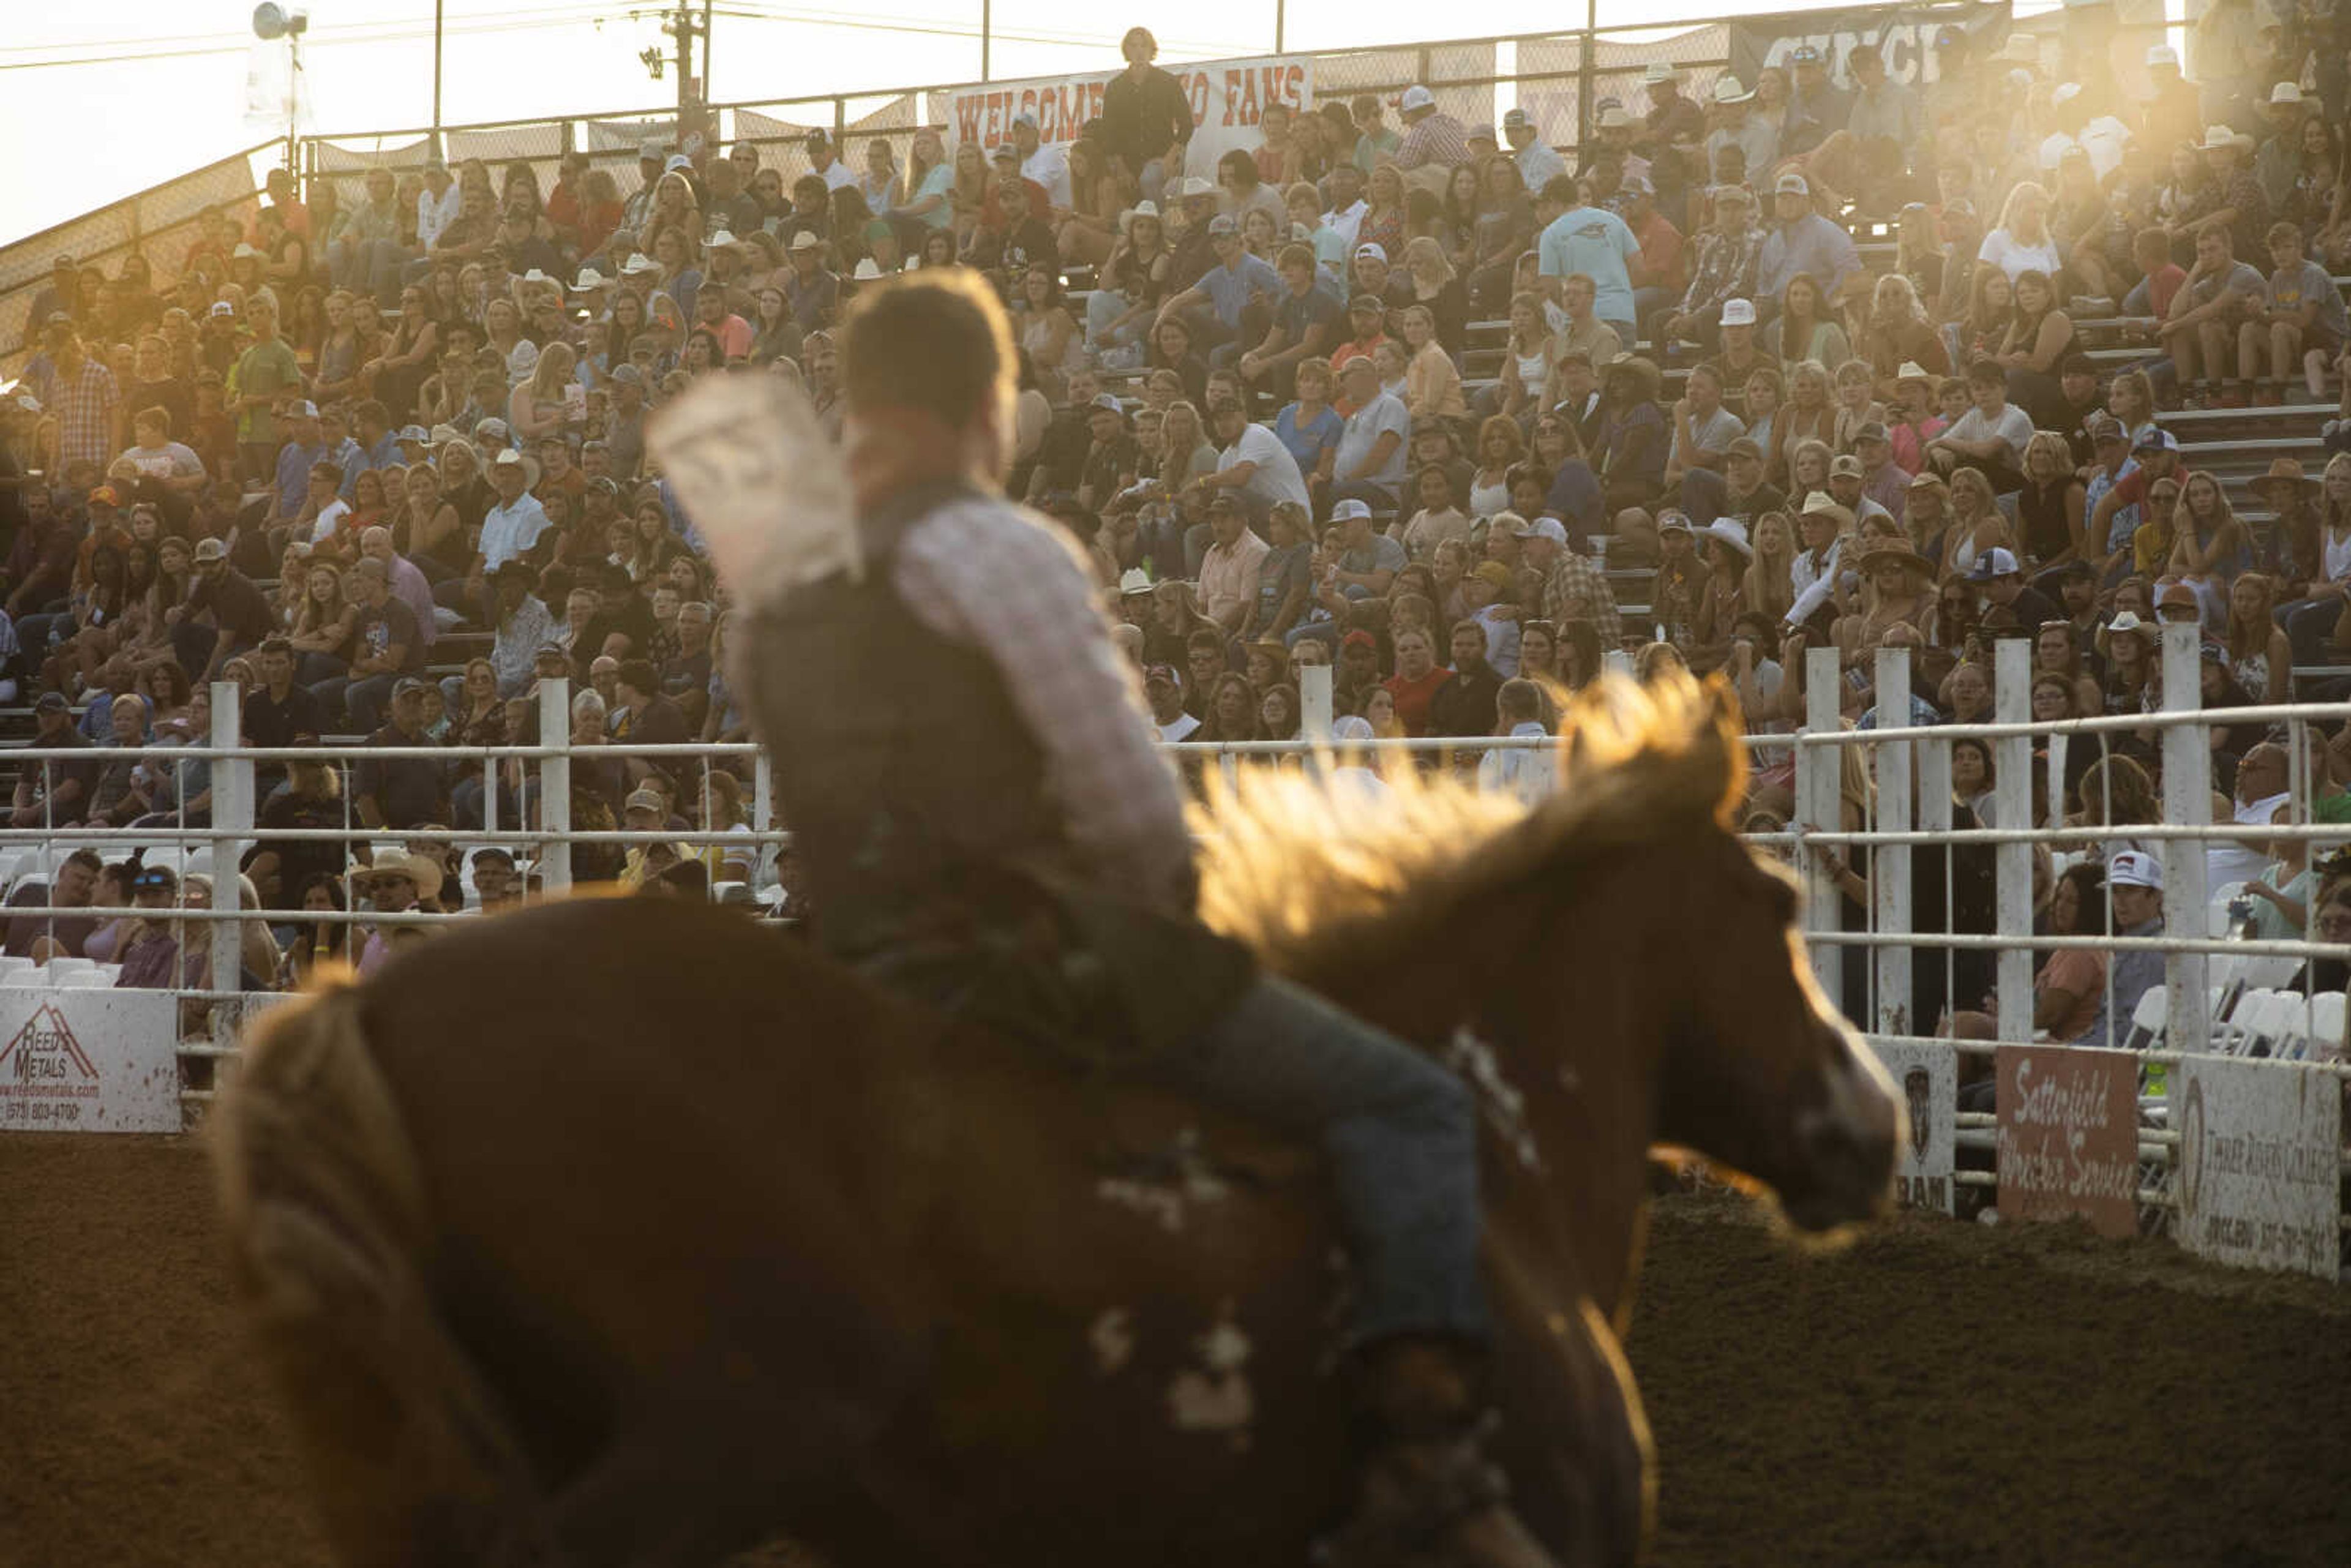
column 2013, row 863
column 1586, row 66
column 1314, row 705
column 1889, row 865
column 2187, row 802
column 1820, row 808
column 555, row 787
column 232, row 814
column 1933, row 761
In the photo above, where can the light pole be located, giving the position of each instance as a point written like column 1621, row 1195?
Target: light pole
column 436, row 75
column 272, row 22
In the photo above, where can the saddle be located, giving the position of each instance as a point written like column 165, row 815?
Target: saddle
column 1027, row 949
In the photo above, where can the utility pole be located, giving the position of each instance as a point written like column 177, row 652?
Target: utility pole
column 436, row 75
column 684, row 26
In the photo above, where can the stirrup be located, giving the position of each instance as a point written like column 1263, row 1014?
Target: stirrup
column 1434, row 1502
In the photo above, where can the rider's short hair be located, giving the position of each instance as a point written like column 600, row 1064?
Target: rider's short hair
column 935, row 341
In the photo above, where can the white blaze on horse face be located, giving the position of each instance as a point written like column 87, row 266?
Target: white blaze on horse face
column 1217, row 1398
column 1113, row 1338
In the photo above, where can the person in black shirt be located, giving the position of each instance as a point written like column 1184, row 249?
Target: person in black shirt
column 620, row 610
column 56, row 792
column 2001, row 582
column 386, row 644
column 1146, row 116
column 281, row 714
column 1111, row 459
column 227, row 614
column 400, row 793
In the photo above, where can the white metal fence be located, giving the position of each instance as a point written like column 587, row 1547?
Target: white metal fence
column 1909, row 815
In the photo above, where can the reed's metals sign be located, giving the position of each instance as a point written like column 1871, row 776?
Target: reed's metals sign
column 2259, row 1153
column 88, row 1062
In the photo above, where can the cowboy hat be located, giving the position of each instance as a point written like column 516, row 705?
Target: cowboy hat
column 2216, row 136
column 425, row 873
column 1645, row 371
column 2126, row 623
column 1140, row 210
column 1730, row 531
column 1821, row 504
column 1912, row 371
column 1890, row 550
column 2284, row 471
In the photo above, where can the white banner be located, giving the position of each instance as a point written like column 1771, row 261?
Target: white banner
column 1227, row 97
column 1926, row 1087
column 88, row 1062
column 2259, row 1145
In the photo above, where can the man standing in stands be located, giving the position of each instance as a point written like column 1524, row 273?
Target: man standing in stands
column 1594, row 242
column 1803, row 241
column 975, row 624
column 1539, row 164
column 82, row 394
column 1146, row 116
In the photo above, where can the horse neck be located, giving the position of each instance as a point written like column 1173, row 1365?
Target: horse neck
column 1577, row 1042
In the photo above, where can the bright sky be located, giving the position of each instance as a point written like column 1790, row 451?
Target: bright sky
column 128, row 93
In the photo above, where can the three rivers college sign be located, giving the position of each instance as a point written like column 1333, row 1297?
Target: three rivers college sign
column 2259, row 1154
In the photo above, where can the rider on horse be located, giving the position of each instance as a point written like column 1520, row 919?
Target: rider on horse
column 966, row 764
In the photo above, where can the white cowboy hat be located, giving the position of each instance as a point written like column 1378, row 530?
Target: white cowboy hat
column 2216, row 136
column 1730, row 532
column 1140, row 210
column 1727, row 90
column 638, row 265
column 588, row 281
column 534, row 276
column 868, row 270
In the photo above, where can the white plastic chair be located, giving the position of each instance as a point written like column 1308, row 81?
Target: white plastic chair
column 64, row 964
column 86, row 980
column 26, row 980
column 2269, row 973
column 112, row 972
column 2149, row 1020
column 12, row 965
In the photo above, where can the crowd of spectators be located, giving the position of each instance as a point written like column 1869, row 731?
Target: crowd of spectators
column 374, row 417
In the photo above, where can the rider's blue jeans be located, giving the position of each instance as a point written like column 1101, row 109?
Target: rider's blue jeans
column 1400, row 1133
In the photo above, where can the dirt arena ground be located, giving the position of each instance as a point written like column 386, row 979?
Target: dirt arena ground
column 1936, row 1394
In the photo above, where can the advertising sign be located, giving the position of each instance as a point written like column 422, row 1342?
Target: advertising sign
column 88, row 1062
column 1228, row 98
column 2259, row 1150
column 2069, row 1136
column 1926, row 1083
column 1904, row 33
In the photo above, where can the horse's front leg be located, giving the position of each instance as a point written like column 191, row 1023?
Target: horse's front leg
column 1573, row 1438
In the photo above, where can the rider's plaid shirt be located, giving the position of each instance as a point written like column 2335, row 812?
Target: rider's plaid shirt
column 983, row 571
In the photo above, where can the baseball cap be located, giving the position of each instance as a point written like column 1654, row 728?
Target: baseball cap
column 222, row 308
column 52, row 702
column 1376, row 252
column 2105, row 427
column 302, row 408
column 1108, row 403
column 407, row 685
column 2163, row 54
column 1550, row 528
column 1359, row 638
column 1480, row 134
column 646, row 801
column 1222, row 224
column 415, row 433
column 2157, row 441
column 1004, row 152
column 211, row 549
column 1613, row 118
column 107, row 495
column 1670, row 521
column 1739, row 312
column 1993, row 563
column 1791, row 185
column 1512, row 119
column 1416, row 97
column 1025, row 118
column 1873, row 431
column 1161, row 674
column 1346, row 511
column 1845, row 465
column 2133, row 868
column 1744, row 446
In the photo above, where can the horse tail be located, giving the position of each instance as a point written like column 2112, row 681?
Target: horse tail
column 328, row 1221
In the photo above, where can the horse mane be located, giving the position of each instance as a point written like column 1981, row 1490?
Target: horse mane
column 1298, row 865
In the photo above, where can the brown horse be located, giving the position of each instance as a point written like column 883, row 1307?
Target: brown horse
column 624, row 1232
